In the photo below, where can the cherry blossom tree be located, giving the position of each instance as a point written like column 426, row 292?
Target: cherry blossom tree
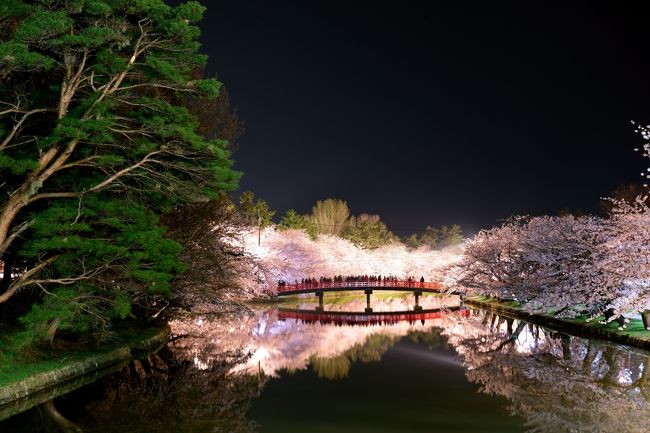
column 548, row 263
column 624, row 257
column 567, row 264
column 291, row 255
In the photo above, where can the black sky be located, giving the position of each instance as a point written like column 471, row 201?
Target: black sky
column 432, row 113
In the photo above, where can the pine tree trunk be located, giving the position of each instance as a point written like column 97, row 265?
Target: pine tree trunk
column 52, row 327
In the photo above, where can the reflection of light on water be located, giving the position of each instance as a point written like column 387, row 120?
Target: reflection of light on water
column 260, row 327
column 201, row 365
column 261, row 354
column 270, row 327
column 278, row 327
column 526, row 341
column 290, row 344
column 431, row 356
column 625, row 376
column 557, row 383
column 274, row 344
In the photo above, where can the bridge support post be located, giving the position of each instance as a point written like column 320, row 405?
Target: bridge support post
column 320, row 301
column 368, row 293
column 417, row 294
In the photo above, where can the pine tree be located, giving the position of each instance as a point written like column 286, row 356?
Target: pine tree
column 411, row 241
column 368, row 231
column 452, row 236
column 430, row 237
column 94, row 141
column 256, row 212
column 292, row 220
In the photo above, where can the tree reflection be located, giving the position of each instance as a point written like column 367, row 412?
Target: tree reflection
column 432, row 339
column 371, row 350
column 557, row 382
column 338, row 367
column 207, row 380
column 162, row 394
column 275, row 344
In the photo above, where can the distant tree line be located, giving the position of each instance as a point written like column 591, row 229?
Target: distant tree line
column 333, row 217
column 436, row 237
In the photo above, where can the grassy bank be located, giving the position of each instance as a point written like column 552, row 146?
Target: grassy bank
column 33, row 380
column 633, row 335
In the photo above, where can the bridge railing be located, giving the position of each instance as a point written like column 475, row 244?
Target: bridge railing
column 358, row 284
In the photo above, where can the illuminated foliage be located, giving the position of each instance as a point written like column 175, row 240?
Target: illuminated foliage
column 368, row 231
column 95, row 140
column 291, row 220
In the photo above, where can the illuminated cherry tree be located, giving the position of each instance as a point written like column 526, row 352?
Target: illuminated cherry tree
column 624, row 256
column 291, row 255
column 546, row 262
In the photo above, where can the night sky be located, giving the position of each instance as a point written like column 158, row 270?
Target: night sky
column 431, row 113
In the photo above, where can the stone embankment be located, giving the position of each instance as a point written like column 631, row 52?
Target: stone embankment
column 70, row 375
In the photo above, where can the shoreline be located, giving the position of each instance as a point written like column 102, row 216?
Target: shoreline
column 23, row 394
column 634, row 335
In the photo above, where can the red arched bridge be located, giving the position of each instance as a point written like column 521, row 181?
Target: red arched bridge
column 402, row 285
column 352, row 318
column 319, row 288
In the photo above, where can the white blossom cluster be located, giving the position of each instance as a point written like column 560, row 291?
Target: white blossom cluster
column 644, row 130
column 290, row 255
column 566, row 265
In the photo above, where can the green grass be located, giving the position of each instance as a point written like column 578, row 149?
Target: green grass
column 634, row 328
column 15, row 366
column 490, row 300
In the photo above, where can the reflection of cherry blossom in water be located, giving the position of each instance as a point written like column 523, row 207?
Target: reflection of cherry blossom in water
column 276, row 344
column 557, row 382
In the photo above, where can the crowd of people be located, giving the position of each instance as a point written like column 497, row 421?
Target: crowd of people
column 350, row 279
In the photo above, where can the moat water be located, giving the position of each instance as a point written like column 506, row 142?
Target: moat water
column 445, row 368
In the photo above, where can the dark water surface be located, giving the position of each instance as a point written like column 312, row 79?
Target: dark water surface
column 412, row 389
column 297, row 370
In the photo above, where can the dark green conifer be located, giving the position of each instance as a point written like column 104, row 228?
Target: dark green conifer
column 95, row 140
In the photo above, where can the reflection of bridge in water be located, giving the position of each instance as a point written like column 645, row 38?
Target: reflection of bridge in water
column 319, row 288
column 367, row 318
